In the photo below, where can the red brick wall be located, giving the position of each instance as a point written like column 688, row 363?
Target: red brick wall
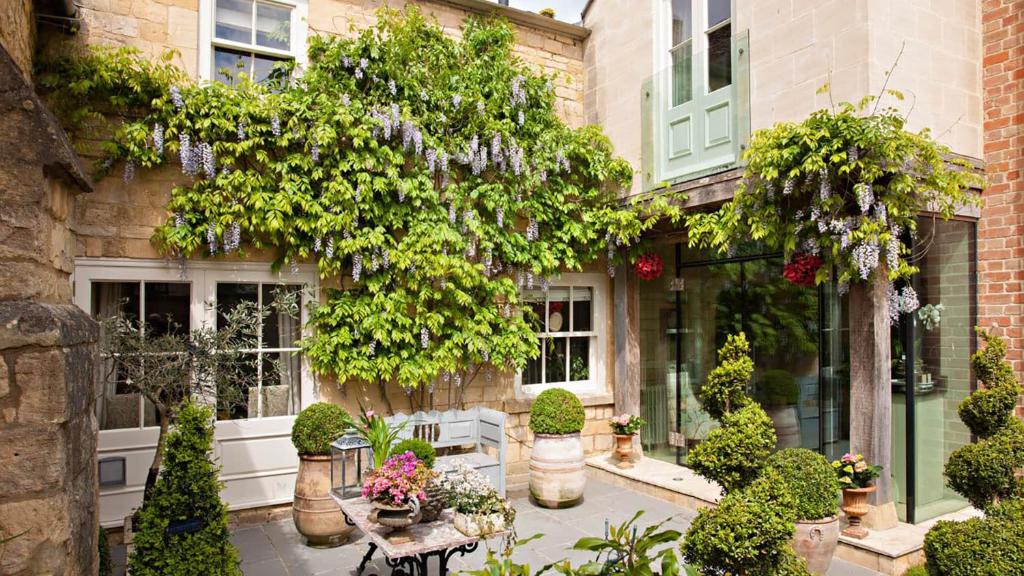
column 1001, row 229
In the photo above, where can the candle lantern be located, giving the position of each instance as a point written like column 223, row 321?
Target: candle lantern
column 349, row 454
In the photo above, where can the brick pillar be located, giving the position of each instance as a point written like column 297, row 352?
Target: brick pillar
column 48, row 485
column 1001, row 228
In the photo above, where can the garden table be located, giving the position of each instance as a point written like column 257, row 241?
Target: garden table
column 410, row 554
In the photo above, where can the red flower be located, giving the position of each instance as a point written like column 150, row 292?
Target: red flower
column 649, row 266
column 802, row 270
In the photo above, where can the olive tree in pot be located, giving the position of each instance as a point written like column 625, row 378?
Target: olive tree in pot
column 313, row 510
column 557, row 474
column 812, row 482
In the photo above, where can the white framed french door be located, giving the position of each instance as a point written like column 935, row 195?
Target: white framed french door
column 696, row 114
column 252, row 442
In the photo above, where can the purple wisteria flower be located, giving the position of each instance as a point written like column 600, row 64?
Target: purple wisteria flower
column 499, row 216
column 345, row 100
column 481, row 108
column 431, row 157
column 158, row 138
column 208, row 160
column 346, row 62
column 824, row 186
column 129, row 171
column 787, row 188
column 532, row 230
column 317, row 245
column 456, row 100
column 892, row 249
column 451, row 213
column 518, row 94
column 865, row 196
column 851, row 154
column 187, row 155
column 424, row 337
column 240, row 129
column 179, row 220
column 314, row 153
column 521, row 118
column 392, row 87
column 865, row 257
column 176, row 98
column 329, row 249
column 211, row 237
column 357, row 266
column 417, row 141
column 233, row 237
column 372, row 348
column 275, row 125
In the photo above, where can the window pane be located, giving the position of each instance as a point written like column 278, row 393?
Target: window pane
column 236, row 383
column 230, row 295
column 682, row 74
column 112, row 298
column 558, row 310
column 718, row 11
column 579, row 358
column 228, row 64
column 282, row 327
column 234, row 20
column 535, row 300
column 116, row 407
column 282, row 373
column 273, row 26
column 719, row 58
column 167, row 308
column 264, row 67
column 555, row 360
column 532, row 372
column 682, row 21
column 582, row 309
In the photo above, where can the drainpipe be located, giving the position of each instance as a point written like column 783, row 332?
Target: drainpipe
column 64, row 15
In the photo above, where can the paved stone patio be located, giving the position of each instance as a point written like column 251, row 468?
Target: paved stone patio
column 275, row 548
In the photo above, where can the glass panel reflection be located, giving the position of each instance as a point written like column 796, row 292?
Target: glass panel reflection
column 273, row 26
column 234, row 20
column 719, row 58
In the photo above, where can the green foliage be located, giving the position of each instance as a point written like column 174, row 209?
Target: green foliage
column 421, row 448
column 429, row 171
column 778, row 388
column 916, row 571
column 557, row 411
column 726, row 388
column 734, row 454
column 748, row 533
column 985, row 471
column 106, row 567
column 992, row 546
column 503, row 565
column 810, row 479
column 317, row 426
column 843, row 184
column 380, row 435
column 629, row 550
column 187, row 489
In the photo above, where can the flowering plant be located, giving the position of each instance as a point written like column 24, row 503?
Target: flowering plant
column 802, row 269
column 649, row 266
column 378, row 434
column 399, row 479
column 626, row 424
column 470, row 492
column 855, row 472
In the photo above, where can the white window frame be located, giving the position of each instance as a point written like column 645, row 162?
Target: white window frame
column 596, row 383
column 208, row 40
column 203, row 276
column 699, row 31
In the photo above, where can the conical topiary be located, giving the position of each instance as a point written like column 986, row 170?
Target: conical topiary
column 183, row 530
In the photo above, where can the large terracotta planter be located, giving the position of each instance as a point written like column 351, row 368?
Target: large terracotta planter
column 624, row 450
column 816, row 541
column 315, row 513
column 855, row 505
column 557, row 476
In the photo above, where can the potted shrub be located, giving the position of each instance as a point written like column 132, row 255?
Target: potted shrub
column 479, row 509
column 812, row 483
column 557, row 474
column 436, row 500
column 397, row 490
column 778, row 394
column 313, row 509
column 856, row 479
column 625, row 428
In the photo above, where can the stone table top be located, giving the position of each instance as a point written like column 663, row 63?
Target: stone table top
column 420, row 538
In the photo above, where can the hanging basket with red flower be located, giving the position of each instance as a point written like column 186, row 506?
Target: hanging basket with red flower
column 802, row 269
column 649, row 266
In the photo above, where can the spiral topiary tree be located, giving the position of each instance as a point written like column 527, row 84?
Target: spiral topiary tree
column 749, row 532
column 431, row 174
column 986, row 473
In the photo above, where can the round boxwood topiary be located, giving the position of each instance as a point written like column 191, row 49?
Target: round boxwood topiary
column 992, row 545
column 810, row 479
column 421, row 448
column 557, row 411
column 317, row 426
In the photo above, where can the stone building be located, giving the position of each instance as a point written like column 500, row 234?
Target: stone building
column 678, row 85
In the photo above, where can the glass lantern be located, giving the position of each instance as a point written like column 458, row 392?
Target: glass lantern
column 349, row 455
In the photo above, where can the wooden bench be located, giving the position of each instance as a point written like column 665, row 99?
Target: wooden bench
column 478, row 426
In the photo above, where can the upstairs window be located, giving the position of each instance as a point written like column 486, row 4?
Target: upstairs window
column 249, row 37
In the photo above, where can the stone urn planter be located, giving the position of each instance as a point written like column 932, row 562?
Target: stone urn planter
column 315, row 513
column 557, row 475
column 855, row 505
column 397, row 517
column 624, row 449
column 816, row 541
column 479, row 524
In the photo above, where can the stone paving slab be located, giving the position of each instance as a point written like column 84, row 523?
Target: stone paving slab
column 275, row 548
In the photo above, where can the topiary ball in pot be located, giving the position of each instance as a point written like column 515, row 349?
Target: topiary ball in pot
column 313, row 509
column 436, row 498
column 810, row 479
column 557, row 475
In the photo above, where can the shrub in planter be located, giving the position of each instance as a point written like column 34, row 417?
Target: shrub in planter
column 557, row 476
column 313, row 510
column 557, row 411
column 421, row 448
column 735, row 453
column 979, row 546
column 183, row 530
column 812, row 481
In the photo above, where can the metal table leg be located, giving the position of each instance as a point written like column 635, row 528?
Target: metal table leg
column 366, row 558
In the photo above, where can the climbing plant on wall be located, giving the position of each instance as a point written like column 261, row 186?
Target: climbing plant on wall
column 430, row 174
column 845, row 185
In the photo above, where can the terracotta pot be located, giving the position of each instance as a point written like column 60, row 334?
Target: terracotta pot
column 855, row 505
column 315, row 513
column 815, row 541
column 397, row 517
column 557, row 476
column 624, row 450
